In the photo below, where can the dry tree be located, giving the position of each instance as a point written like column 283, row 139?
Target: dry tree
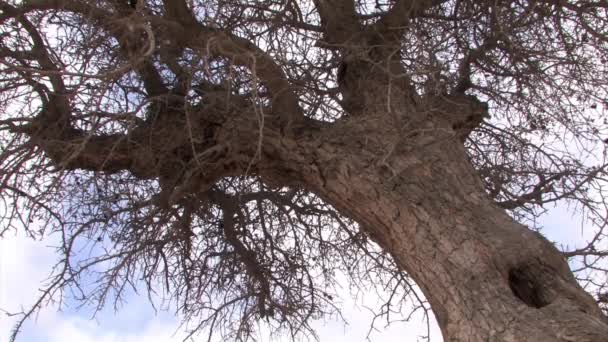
column 236, row 157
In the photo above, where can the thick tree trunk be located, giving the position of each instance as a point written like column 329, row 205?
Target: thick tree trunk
column 395, row 163
column 487, row 277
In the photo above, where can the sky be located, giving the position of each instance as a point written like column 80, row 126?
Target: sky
column 25, row 263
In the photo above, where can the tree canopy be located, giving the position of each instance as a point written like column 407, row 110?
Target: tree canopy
column 162, row 140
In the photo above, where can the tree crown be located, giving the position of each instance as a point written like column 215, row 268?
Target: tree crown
column 145, row 132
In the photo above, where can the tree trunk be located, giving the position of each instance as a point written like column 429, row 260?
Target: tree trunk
column 395, row 162
column 487, row 277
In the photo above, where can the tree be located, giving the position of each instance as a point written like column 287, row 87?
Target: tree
column 237, row 155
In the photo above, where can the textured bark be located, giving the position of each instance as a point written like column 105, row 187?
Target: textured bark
column 394, row 162
column 465, row 253
column 487, row 277
column 404, row 175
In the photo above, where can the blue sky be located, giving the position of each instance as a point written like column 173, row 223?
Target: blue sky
column 24, row 264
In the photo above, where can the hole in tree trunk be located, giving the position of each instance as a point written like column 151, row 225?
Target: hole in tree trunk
column 525, row 286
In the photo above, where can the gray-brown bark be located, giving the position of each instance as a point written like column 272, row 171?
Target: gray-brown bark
column 487, row 277
column 394, row 162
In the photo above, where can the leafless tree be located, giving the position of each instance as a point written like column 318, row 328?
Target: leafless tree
column 235, row 156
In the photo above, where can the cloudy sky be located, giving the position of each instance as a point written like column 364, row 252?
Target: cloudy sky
column 24, row 264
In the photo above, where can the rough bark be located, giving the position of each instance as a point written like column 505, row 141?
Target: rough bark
column 415, row 193
column 395, row 163
column 403, row 174
column 487, row 277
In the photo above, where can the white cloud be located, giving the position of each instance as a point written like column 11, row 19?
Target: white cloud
column 25, row 263
column 78, row 329
column 563, row 225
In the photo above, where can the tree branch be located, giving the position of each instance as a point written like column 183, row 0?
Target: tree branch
column 339, row 21
column 399, row 16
